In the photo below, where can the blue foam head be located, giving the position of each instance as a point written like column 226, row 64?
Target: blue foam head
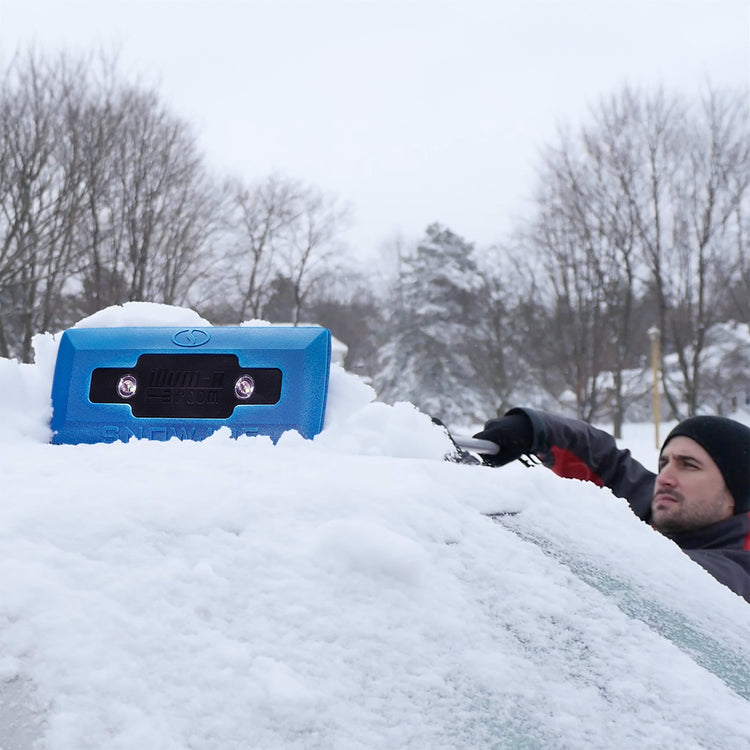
column 159, row 383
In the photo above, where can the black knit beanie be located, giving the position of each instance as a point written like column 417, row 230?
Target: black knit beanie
column 728, row 444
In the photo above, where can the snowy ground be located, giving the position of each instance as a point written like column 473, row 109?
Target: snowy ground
column 342, row 593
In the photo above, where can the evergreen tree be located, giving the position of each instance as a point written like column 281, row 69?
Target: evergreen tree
column 434, row 318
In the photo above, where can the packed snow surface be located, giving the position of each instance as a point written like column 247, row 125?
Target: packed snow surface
column 345, row 592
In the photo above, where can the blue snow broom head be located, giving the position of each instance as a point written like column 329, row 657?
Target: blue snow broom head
column 159, row 383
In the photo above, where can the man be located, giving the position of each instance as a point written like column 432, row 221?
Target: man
column 700, row 498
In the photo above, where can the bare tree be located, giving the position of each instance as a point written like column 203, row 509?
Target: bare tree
column 697, row 169
column 568, row 235
column 162, row 202
column 262, row 218
column 717, row 187
column 506, row 327
column 613, row 157
column 313, row 246
column 103, row 279
column 40, row 196
column 645, row 201
column 279, row 242
column 104, row 197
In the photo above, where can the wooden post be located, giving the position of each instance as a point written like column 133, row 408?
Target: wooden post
column 653, row 334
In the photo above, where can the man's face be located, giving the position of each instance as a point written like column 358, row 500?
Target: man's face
column 689, row 492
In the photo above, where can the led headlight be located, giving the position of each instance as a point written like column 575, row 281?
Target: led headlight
column 127, row 386
column 244, row 387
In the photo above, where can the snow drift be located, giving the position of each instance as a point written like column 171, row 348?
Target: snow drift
column 348, row 592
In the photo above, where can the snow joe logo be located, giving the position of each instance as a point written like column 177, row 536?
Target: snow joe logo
column 191, row 337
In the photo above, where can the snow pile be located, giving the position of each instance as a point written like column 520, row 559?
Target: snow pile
column 345, row 592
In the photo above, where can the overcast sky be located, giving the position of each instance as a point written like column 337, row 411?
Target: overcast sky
column 413, row 111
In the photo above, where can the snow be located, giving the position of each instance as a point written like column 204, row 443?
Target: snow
column 344, row 592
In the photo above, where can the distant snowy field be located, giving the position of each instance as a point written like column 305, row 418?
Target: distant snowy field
column 343, row 593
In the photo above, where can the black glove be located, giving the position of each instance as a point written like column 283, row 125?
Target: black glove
column 513, row 434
